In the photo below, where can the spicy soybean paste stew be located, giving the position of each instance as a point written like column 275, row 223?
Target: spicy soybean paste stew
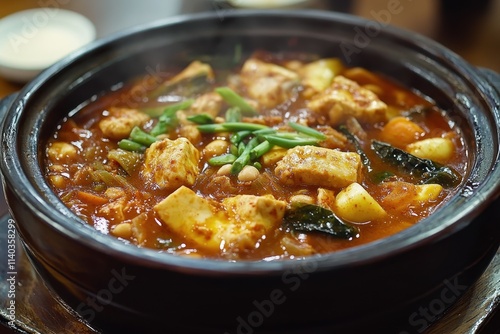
column 283, row 156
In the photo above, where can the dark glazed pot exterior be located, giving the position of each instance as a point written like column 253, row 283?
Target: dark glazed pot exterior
column 121, row 288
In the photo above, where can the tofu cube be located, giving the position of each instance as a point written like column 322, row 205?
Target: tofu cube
column 346, row 98
column 170, row 164
column 238, row 224
column 318, row 166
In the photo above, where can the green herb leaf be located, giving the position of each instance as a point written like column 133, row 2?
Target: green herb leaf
column 307, row 218
column 427, row 170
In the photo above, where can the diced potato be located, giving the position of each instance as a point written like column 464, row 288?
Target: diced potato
column 170, row 164
column 436, row 149
column 318, row 166
column 400, row 131
column 355, row 204
column 318, row 75
column 428, row 192
column 345, row 98
column 59, row 181
column 122, row 230
column 240, row 224
column 61, row 151
column 273, row 156
column 139, row 228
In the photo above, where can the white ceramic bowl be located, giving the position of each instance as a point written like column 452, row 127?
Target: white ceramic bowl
column 34, row 39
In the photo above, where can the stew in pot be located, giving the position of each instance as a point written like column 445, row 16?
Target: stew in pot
column 281, row 156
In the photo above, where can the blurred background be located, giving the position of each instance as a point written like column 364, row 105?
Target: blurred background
column 471, row 28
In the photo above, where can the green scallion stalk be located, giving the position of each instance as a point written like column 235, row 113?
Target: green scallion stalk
column 244, row 158
column 260, row 150
column 201, row 119
column 233, row 114
column 173, row 108
column 235, row 100
column 241, row 148
column 159, row 129
column 237, row 137
column 307, row 130
column 129, row 145
column 222, row 160
column 141, row 137
column 211, row 128
column 290, row 143
column 241, row 126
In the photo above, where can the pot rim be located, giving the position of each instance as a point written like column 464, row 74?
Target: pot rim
column 68, row 224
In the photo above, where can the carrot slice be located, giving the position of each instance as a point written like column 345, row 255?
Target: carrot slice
column 91, row 198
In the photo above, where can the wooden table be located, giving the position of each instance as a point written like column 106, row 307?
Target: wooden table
column 471, row 29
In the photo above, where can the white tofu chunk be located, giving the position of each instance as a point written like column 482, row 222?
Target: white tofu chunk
column 121, row 121
column 239, row 224
column 193, row 217
column 346, row 98
column 251, row 217
column 268, row 84
column 170, row 164
column 318, row 166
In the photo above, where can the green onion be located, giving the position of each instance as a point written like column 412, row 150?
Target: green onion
column 257, row 165
column 235, row 100
column 265, row 131
column 288, row 142
column 159, row 129
column 129, row 145
column 233, row 149
column 141, row 137
column 237, row 137
column 170, row 111
column 201, row 119
column 230, row 127
column 211, row 128
column 168, row 120
column 260, row 150
column 244, row 157
column 240, row 126
column 241, row 148
column 222, row 160
column 307, row 130
column 233, row 115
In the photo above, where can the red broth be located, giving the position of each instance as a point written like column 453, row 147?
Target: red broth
column 220, row 212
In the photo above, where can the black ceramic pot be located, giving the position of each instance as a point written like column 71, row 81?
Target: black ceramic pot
column 382, row 286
